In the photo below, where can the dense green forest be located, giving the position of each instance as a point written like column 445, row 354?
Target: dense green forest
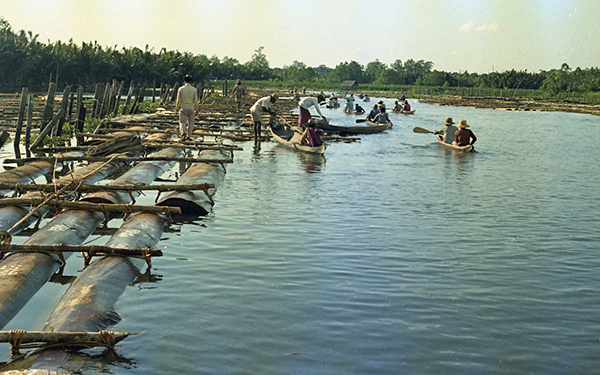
column 25, row 61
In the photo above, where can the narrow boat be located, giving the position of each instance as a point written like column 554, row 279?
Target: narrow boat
column 403, row 112
column 354, row 112
column 290, row 137
column 370, row 128
column 467, row 148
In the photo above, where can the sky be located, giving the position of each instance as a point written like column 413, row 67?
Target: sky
column 456, row 35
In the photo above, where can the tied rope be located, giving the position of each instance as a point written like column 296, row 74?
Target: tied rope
column 5, row 240
column 15, row 338
column 107, row 338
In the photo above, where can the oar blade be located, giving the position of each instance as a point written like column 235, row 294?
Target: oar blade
column 421, row 130
column 359, row 120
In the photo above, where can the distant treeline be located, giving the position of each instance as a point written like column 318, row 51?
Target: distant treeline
column 24, row 61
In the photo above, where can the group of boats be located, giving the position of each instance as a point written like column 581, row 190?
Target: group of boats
column 291, row 136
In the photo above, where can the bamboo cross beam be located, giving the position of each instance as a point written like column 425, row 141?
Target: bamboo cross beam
column 196, row 132
column 117, row 159
column 20, row 339
column 93, row 250
column 191, row 146
column 113, row 187
column 88, row 206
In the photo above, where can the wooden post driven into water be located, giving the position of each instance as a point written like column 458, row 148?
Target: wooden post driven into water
column 49, row 108
column 28, row 126
column 22, row 106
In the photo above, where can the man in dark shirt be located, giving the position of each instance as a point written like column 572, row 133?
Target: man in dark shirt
column 463, row 135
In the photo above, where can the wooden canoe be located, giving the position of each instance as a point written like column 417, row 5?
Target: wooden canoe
column 467, row 148
column 403, row 112
column 290, row 137
column 370, row 128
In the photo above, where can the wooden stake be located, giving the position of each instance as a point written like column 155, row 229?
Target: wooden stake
column 19, row 125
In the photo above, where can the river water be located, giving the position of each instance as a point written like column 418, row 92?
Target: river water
column 391, row 255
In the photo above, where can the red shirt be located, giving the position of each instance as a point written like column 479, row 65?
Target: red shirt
column 463, row 137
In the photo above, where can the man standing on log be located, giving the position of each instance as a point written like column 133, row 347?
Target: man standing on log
column 238, row 92
column 262, row 105
column 187, row 106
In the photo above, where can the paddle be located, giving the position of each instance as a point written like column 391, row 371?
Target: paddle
column 421, row 130
column 359, row 120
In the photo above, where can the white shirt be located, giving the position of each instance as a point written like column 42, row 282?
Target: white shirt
column 187, row 96
column 262, row 102
column 306, row 103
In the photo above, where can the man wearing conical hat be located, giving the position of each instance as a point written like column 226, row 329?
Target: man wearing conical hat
column 463, row 135
column 447, row 132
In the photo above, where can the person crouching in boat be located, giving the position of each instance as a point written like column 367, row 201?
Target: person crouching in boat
column 464, row 136
column 358, row 109
column 382, row 117
column 303, row 106
column 397, row 107
column 374, row 112
column 406, row 106
column 262, row 105
column 447, row 132
column 311, row 135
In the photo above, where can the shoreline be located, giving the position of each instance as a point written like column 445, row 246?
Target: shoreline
column 512, row 104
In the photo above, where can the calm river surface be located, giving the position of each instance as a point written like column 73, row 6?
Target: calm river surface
column 390, row 256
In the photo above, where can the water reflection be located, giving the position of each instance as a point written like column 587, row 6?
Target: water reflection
column 312, row 163
column 458, row 165
column 104, row 361
column 256, row 150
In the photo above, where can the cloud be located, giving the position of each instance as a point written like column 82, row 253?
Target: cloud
column 470, row 26
column 467, row 27
column 490, row 27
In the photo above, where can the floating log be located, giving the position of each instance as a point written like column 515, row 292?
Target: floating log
column 87, row 206
column 196, row 202
column 10, row 216
column 22, row 275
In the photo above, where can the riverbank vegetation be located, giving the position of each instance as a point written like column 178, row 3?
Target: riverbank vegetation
column 25, row 61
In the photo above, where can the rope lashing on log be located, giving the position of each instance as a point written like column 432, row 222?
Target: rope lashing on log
column 21, row 339
column 5, row 240
column 78, row 182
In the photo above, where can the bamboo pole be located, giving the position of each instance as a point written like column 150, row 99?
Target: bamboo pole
column 82, row 338
column 87, row 206
column 117, row 158
column 95, row 188
column 94, row 250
